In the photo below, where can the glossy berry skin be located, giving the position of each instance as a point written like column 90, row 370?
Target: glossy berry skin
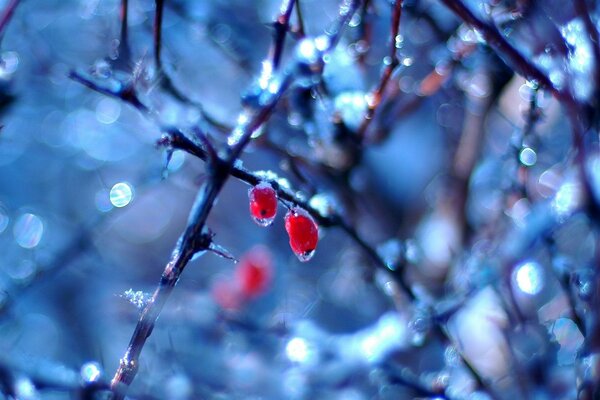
column 254, row 272
column 263, row 202
column 303, row 233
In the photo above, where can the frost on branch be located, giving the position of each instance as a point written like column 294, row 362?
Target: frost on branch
column 428, row 170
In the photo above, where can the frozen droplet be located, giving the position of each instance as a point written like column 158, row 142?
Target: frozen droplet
column 28, row 230
column 407, row 61
column 264, row 221
column 419, row 326
column 391, row 253
column 101, row 69
column 121, row 194
column 177, row 160
column 138, row 298
column 398, row 40
column 529, row 277
column 528, row 157
column 9, row 62
column 91, row 372
column 306, row 256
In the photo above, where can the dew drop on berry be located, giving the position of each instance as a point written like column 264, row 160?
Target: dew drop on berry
column 263, row 204
column 303, row 233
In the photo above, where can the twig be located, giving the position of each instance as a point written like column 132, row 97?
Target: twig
column 7, row 14
column 509, row 54
column 165, row 79
column 281, row 26
column 194, row 239
column 391, row 62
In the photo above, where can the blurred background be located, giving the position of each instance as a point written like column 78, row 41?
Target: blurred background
column 464, row 184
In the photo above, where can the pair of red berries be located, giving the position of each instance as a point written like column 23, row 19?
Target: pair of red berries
column 301, row 228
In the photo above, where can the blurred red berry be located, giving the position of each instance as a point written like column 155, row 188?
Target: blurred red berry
column 226, row 294
column 263, row 203
column 254, row 272
column 303, row 233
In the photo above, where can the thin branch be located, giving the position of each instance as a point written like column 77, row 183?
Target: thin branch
column 391, row 62
column 164, row 78
column 281, row 26
column 509, row 54
column 194, row 239
column 7, row 15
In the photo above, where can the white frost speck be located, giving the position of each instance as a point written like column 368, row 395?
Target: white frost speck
column 137, row 298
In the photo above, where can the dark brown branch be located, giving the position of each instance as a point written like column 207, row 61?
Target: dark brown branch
column 124, row 52
column 506, row 51
column 7, row 14
column 165, row 79
column 390, row 64
column 194, row 239
column 281, row 26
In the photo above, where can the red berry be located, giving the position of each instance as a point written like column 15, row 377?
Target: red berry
column 254, row 272
column 303, row 233
column 227, row 294
column 263, row 203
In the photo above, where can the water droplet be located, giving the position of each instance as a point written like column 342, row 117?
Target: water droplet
column 530, row 278
column 28, row 230
column 177, row 160
column 101, row 69
column 419, row 325
column 9, row 61
column 391, row 252
column 121, row 194
column 306, row 256
column 91, row 372
column 264, row 221
column 528, row 157
column 398, row 40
